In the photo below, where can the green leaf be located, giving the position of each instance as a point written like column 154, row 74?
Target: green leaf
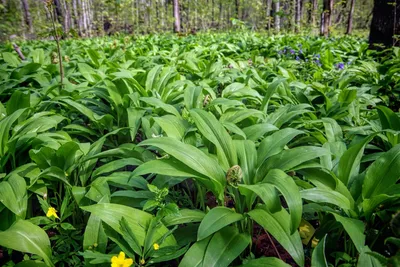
column 256, row 131
column 26, row 237
column 265, row 262
column 355, row 229
column 13, row 195
column 349, row 163
column 173, row 126
column 194, row 159
column 184, row 216
column 389, row 119
column 216, row 219
column 286, row 185
column 213, row 130
column 31, row 263
column 5, row 127
column 194, row 256
column 289, row 159
column 382, row 174
column 318, row 258
column 11, row 59
column 112, row 214
column 278, row 225
column 225, row 246
column 322, row 195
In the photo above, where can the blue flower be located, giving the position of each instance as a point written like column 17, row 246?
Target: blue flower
column 297, row 58
column 318, row 55
column 292, row 51
column 340, row 66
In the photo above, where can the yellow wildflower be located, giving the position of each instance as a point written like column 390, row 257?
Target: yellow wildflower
column 120, row 261
column 156, row 246
column 51, row 212
column 306, row 231
column 314, row 242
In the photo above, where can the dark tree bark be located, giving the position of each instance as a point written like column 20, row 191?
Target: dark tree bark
column 237, row 6
column 326, row 17
column 350, row 19
column 385, row 23
column 59, row 13
column 27, row 15
column 177, row 23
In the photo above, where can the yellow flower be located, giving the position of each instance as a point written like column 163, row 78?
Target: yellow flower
column 52, row 212
column 156, row 246
column 314, row 242
column 120, row 261
column 306, row 231
column 142, row 262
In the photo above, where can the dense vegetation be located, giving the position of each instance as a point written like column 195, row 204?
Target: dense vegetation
column 232, row 149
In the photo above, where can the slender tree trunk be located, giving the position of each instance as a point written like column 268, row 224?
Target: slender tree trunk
column 298, row 15
column 237, row 7
column 277, row 20
column 269, row 2
column 177, row 24
column 76, row 17
column 341, row 12
column 385, row 23
column 350, row 19
column 27, row 16
column 314, row 10
column 326, row 17
column 220, row 23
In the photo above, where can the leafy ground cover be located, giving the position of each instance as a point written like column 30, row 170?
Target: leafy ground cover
column 211, row 150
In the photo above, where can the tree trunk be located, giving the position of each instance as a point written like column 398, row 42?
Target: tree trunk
column 276, row 16
column 385, row 23
column 314, row 11
column 298, row 15
column 220, row 15
column 350, row 20
column 27, row 16
column 177, row 24
column 326, row 17
column 237, row 6
column 269, row 3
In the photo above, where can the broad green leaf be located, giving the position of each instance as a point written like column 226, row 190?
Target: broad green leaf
column 5, row 127
column 225, row 246
column 193, row 158
column 382, row 174
column 285, row 184
column 273, row 144
column 290, row 159
column 349, row 163
column 194, row 256
column 213, row 130
column 318, row 258
column 389, row 119
column 138, row 220
column 265, row 262
column 322, row 195
column 278, row 225
column 173, row 126
column 184, row 216
column 355, row 229
column 216, row 219
column 13, row 195
column 256, row 131
column 26, row 237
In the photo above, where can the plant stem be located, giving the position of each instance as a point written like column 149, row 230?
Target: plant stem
column 273, row 244
column 58, row 47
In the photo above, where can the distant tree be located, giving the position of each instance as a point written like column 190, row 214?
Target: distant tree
column 326, row 17
column 277, row 22
column 350, row 19
column 27, row 15
column 385, row 26
column 177, row 23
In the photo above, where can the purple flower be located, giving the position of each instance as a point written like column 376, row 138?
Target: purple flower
column 292, row 51
column 348, row 63
column 297, row 58
column 318, row 62
column 318, row 55
column 340, row 66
